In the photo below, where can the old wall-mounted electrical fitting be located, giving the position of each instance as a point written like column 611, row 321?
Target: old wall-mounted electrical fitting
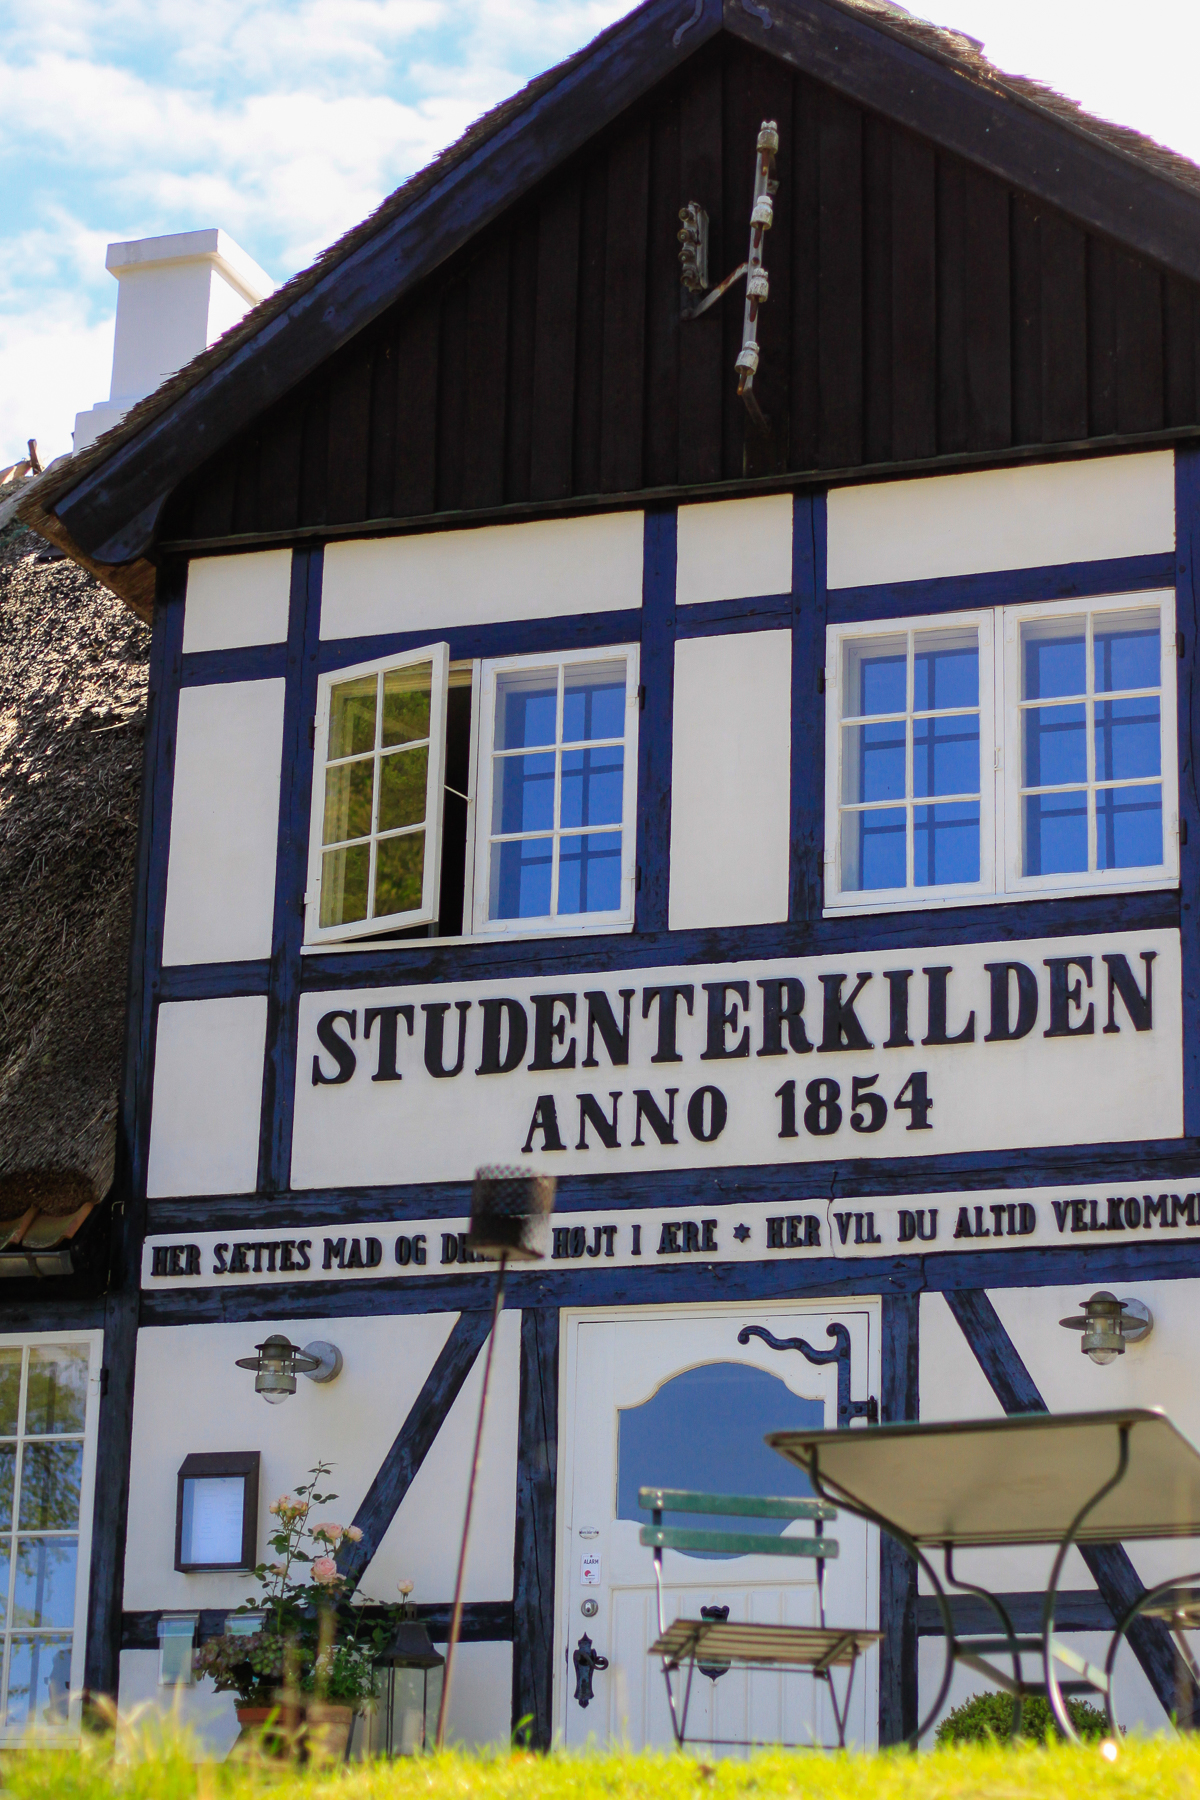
column 693, row 261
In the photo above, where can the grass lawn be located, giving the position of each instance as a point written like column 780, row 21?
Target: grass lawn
column 149, row 1766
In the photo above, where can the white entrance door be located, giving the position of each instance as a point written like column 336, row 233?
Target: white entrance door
column 669, row 1397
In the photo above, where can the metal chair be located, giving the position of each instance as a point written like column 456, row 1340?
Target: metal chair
column 713, row 1643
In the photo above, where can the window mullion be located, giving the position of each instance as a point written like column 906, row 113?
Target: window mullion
column 1089, row 716
column 910, row 698
column 556, row 812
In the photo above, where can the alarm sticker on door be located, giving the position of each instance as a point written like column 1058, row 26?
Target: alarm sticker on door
column 589, row 1569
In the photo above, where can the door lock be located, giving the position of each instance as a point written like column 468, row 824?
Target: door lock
column 589, row 1608
column 587, row 1659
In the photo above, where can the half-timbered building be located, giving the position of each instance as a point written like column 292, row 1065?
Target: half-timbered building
column 735, row 757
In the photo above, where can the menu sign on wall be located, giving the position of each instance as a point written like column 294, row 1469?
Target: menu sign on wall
column 888, row 1054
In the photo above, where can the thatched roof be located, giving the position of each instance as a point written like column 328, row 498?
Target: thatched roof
column 135, row 580
column 72, row 704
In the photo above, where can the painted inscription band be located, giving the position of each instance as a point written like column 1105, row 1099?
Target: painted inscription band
column 981, row 1047
column 917, row 1225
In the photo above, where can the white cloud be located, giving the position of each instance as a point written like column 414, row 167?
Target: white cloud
column 53, row 363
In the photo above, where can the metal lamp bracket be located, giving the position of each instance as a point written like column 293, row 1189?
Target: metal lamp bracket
column 327, row 1360
column 693, row 262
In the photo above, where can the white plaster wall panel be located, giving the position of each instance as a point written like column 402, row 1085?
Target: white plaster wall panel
column 731, row 780
column 481, row 1696
column 734, row 550
column 208, row 1071
column 422, row 1542
column 224, row 823
column 198, row 1708
column 235, row 601
column 438, row 579
column 1024, row 518
column 351, row 1423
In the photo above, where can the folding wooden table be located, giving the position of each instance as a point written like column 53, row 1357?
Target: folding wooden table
column 1036, row 1478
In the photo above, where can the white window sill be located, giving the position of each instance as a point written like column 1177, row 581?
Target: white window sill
column 555, row 931
column 973, row 897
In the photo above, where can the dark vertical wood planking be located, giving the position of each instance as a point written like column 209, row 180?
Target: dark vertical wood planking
column 623, row 390
column 877, row 289
column 739, row 138
column 1101, row 337
column 523, row 329
column 914, row 298
column 772, row 96
column 953, row 387
column 382, row 454
column 487, row 375
column 279, row 469
column 1139, row 345
column 1179, row 353
column 1063, row 249
column 660, row 447
column 589, row 373
column 988, row 283
column 805, row 163
column 453, row 377
column 840, row 282
column 700, row 178
column 246, row 505
column 212, row 509
column 1026, row 323
column 314, row 454
column 555, row 315
column 349, row 437
column 414, row 480
column 533, row 1546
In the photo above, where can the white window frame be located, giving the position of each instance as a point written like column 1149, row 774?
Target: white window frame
column 1000, row 755
column 1127, row 880
column 26, row 1341
column 893, row 899
column 314, row 933
column 565, row 924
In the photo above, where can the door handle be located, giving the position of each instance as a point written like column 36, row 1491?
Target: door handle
column 587, row 1659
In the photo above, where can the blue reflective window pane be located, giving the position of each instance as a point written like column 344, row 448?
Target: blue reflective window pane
column 39, row 1682
column 873, row 849
column 945, row 670
column 946, row 755
column 1055, row 833
column 704, row 1430
column 1055, row 745
column 592, row 786
column 589, row 873
column 520, row 885
column 1128, row 739
column 1054, row 657
column 873, row 762
column 1129, row 830
column 526, row 708
column 45, row 1582
column 523, row 793
column 1127, row 653
column 594, row 702
column 945, row 844
column 876, row 677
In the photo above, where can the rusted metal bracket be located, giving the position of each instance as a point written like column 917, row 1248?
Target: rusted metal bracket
column 693, row 263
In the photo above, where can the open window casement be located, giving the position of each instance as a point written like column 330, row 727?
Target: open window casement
column 375, row 843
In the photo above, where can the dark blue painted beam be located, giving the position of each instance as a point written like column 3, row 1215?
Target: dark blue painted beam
column 1187, row 621
column 1078, row 1609
column 1107, row 1564
column 413, row 1441
column 1006, row 587
column 657, row 678
column 534, row 1543
column 899, row 1400
column 483, row 1622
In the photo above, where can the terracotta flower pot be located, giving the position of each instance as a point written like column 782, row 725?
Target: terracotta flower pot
column 328, row 1730
column 273, row 1730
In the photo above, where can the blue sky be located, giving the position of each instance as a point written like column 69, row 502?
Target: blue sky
column 285, row 121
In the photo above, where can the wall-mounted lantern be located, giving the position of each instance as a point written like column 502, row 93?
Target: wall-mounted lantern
column 277, row 1362
column 1108, row 1324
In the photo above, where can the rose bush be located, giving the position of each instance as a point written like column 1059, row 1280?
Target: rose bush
column 311, row 1635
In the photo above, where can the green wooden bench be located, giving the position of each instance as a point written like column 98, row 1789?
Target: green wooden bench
column 713, row 1644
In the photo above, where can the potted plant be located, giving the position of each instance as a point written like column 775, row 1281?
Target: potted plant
column 299, row 1656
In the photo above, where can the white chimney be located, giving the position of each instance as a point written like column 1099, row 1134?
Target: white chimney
column 176, row 295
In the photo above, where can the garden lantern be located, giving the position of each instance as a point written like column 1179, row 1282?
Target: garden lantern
column 405, row 1722
column 1108, row 1324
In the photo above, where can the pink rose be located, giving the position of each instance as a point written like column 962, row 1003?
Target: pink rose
column 325, row 1571
column 333, row 1532
column 354, row 1534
